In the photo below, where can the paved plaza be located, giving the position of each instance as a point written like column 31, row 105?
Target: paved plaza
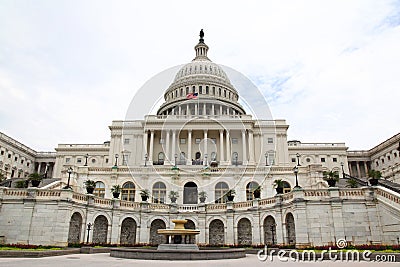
column 99, row 260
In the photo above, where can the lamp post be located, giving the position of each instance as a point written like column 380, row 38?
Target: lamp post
column 205, row 159
column 342, row 164
column 116, row 160
column 86, row 157
column 69, row 171
column 145, row 159
column 296, row 171
column 176, row 156
column 298, row 159
column 89, row 227
column 266, row 158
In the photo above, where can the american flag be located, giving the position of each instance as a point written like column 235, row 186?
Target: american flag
column 192, row 96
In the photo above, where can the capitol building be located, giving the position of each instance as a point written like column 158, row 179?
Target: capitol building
column 201, row 147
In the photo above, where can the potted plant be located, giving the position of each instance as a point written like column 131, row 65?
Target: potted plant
column 230, row 195
column 352, row 183
column 331, row 177
column 257, row 192
column 374, row 177
column 173, row 195
column 202, row 196
column 35, row 179
column 116, row 190
column 90, row 185
column 144, row 194
column 279, row 185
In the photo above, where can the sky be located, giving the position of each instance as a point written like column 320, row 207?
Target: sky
column 331, row 69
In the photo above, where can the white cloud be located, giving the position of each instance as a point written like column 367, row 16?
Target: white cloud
column 68, row 68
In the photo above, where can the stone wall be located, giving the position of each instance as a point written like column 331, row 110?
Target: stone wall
column 306, row 217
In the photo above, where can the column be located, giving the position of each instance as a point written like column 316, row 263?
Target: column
column 145, row 135
column 205, row 143
column 221, row 145
column 220, row 110
column 195, row 109
column 150, row 154
column 251, row 146
column 179, row 110
column 187, row 110
column 204, row 110
column 189, row 153
column 228, row 147
column 39, row 163
column 244, row 146
column 167, row 147
column 358, row 169
column 365, row 168
column 213, row 109
column 173, row 145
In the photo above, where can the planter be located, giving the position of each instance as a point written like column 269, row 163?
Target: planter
column 279, row 190
column 230, row 198
column 35, row 183
column 257, row 194
column 373, row 181
column 173, row 199
column 202, row 199
column 116, row 195
column 89, row 190
column 331, row 182
column 144, row 198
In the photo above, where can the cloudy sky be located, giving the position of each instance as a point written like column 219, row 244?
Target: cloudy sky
column 68, row 68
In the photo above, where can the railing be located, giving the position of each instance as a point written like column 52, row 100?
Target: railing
column 309, row 193
column 267, row 201
column 217, row 206
column 158, row 206
column 79, row 198
column 385, row 196
column 351, row 192
column 129, row 205
column 188, row 208
column 103, row 202
column 16, row 192
column 243, row 205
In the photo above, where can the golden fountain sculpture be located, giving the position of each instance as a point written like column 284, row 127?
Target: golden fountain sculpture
column 179, row 236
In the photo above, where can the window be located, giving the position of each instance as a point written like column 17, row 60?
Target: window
column 334, row 159
column 93, row 160
column 159, row 192
column 2, row 152
column 126, row 141
column 377, row 163
column 182, row 141
column 395, row 154
column 128, row 191
column 15, row 158
column 200, row 89
column 193, row 89
column 235, row 141
column 270, row 140
column 207, row 90
column 187, row 90
column 220, row 190
column 388, row 157
column 67, row 160
column 106, row 160
column 213, row 90
column 9, row 156
column 219, row 91
column 181, row 92
column 22, row 161
column 99, row 189
column 308, row 160
column 322, row 159
column 213, row 156
column 294, row 160
column 125, row 159
column 249, row 190
column 198, row 140
column 27, row 164
column 383, row 161
column 182, row 156
column 162, row 141
column 78, row 160
column 286, row 187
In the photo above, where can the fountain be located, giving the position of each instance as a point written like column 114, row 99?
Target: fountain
column 178, row 247
column 179, row 237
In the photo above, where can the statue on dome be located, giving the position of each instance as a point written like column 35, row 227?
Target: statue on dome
column 201, row 36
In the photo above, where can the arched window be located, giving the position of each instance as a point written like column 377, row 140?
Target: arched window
column 213, row 156
column 220, row 190
column 159, row 192
column 128, row 191
column 190, row 193
column 99, row 189
column 160, row 158
column 207, row 90
column 182, row 156
column 249, row 190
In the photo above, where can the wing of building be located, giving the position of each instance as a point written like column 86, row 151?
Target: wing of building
column 200, row 146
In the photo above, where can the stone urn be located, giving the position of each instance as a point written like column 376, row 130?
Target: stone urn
column 331, row 182
column 373, row 181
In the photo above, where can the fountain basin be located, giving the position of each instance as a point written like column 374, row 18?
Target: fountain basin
column 151, row 254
